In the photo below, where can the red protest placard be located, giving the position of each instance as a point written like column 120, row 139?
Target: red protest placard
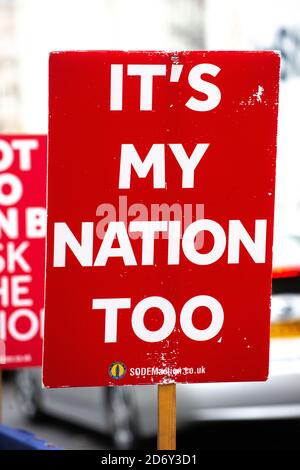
column 22, row 249
column 160, row 217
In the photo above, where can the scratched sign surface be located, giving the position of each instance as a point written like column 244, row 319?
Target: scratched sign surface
column 160, row 217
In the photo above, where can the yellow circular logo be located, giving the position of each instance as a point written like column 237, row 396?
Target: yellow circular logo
column 117, row 370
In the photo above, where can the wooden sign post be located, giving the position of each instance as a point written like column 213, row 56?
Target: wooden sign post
column 166, row 407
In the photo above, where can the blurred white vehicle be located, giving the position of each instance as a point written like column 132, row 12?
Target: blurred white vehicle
column 128, row 413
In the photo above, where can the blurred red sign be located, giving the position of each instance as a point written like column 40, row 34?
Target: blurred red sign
column 160, row 217
column 22, row 249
